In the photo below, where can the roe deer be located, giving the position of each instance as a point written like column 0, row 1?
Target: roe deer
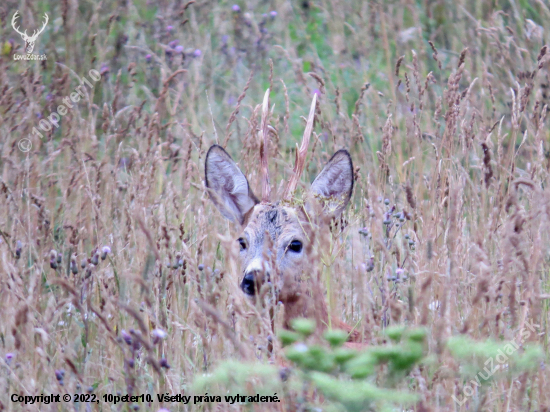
column 276, row 242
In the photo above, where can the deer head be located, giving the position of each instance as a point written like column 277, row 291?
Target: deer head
column 275, row 242
column 29, row 40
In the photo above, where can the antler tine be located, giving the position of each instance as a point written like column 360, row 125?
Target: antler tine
column 37, row 32
column 14, row 21
column 301, row 153
column 46, row 20
column 266, row 188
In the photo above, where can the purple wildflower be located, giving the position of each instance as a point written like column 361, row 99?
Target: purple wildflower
column 9, row 357
column 127, row 338
column 104, row 252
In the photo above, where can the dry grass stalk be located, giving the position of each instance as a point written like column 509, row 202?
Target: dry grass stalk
column 237, row 108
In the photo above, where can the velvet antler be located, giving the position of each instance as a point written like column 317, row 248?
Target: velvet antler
column 301, row 153
column 264, row 147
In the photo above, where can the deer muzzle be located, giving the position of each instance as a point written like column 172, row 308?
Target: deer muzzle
column 248, row 285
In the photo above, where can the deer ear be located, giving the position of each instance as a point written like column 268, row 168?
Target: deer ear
column 334, row 185
column 227, row 185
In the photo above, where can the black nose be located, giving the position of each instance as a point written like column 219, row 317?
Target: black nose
column 247, row 285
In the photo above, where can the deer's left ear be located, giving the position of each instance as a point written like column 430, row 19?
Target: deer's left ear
column 334, row 185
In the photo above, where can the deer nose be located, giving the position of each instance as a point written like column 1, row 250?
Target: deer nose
column 247, row 285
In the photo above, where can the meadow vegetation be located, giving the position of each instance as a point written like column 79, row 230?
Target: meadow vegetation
column 118, row 275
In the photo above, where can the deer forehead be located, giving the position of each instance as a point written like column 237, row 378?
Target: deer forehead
column 279, row 222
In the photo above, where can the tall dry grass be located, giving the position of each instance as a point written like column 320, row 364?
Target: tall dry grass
column 442, row 105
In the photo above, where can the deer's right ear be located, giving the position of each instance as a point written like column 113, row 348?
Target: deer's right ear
column 227, row 185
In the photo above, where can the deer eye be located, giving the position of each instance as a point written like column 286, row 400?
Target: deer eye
column 242, row 243
column 295, row 246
